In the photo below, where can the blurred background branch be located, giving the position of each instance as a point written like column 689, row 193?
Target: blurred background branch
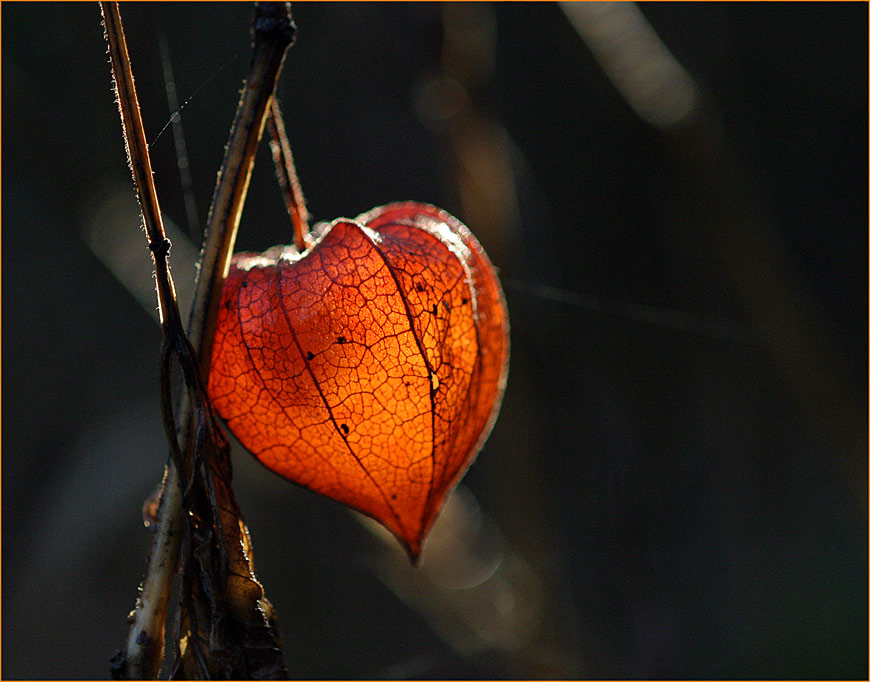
column 737, row 225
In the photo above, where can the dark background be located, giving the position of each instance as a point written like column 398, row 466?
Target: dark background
column 676, row 486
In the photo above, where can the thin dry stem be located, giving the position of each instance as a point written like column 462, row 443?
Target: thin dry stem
column 273, row 34
column 146, row 644
column 288, row 180
column 139, row 160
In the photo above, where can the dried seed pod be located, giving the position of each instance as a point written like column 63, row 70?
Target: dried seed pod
column 369, row 368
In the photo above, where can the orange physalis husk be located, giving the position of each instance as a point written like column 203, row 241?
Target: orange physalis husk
column 369, row 368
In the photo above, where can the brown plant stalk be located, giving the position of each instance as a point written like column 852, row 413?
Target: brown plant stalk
column 288, row 181
column 198, row 505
